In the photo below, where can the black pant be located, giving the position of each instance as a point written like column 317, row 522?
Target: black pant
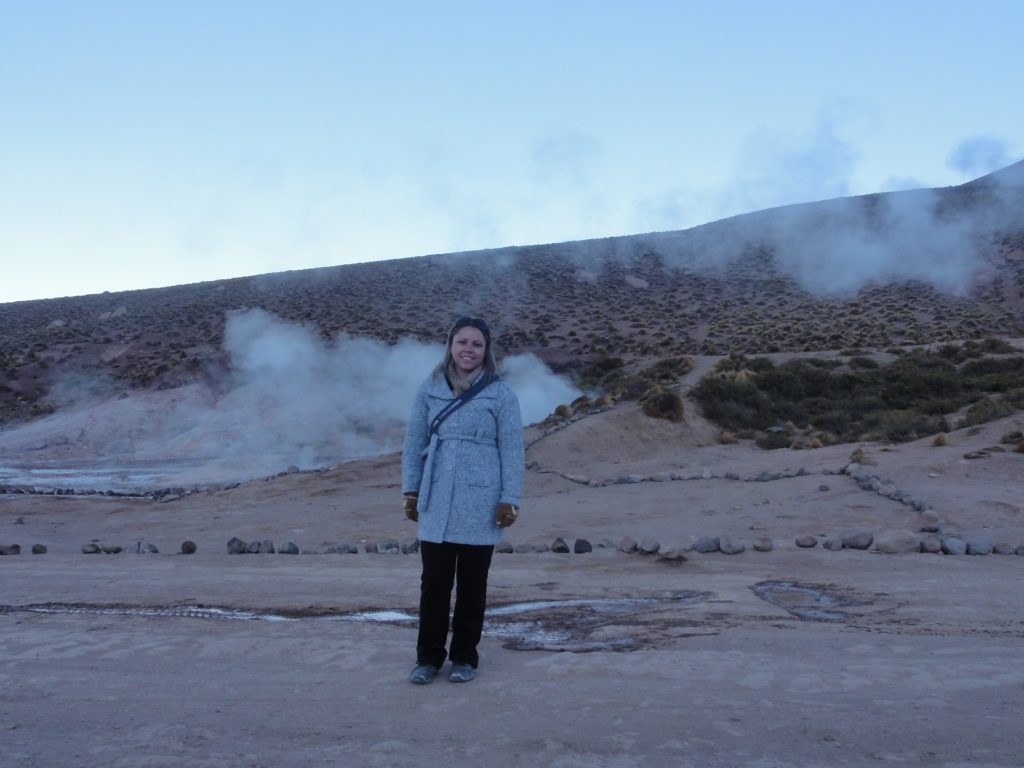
column 442, row 563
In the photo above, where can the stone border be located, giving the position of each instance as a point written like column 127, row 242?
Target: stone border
column 937, row 540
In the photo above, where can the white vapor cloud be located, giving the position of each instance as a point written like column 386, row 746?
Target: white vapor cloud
column 775, row 169
column 291, row 398
column 979, row 155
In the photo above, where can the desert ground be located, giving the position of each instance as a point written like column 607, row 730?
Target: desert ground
column 789, row 657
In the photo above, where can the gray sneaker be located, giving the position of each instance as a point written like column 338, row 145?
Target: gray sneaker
column 461, row 673
column 422, row 674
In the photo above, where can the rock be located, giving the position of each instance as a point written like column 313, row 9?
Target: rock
column 1002, row 548
column 581, row 546
column 976, row 455
column 857, row 539
column 560, row 546
column 931, row 545
column 254, row 548
column 673, row 557
column 388, row 547
column 897, row 542
column 370, row 547
column 628, row 545
column 649, row 546
column 344, row 548
column 706, row 474
column 267, row 547
column 661, row 477
column 581, row 479
column 763, row 544
column 832, row 544
column 930, row 528
column 979, row 545
column 188, row 547
column 807, row 541
column 606, row 544
column 953, row 546
column 90, row 549
column 150, row 549
column 706, row 544
column 732, row 545
column 824, row 487
column 504, row 548
column 410, row 546
column 10, row 549
column 731, row 476
column 288, row 548
column 632, row 479
column 38, row 549
column 528, row 547
column 110, row 549
column 1019, row 550
column 236, row 546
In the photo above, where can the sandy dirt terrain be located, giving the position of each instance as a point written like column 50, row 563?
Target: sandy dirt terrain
column 792, row 657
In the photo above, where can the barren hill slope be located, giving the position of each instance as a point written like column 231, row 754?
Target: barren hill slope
column 877, row 270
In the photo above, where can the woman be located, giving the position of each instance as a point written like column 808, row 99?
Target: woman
column 462, row 476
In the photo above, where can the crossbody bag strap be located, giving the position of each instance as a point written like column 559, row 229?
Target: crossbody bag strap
column 457, row 403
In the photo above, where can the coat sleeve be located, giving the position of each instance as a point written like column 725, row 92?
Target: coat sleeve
column 415, row 443
column 510, row 449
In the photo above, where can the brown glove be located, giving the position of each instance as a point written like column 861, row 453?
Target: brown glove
column 507, row 515
column 409, row 506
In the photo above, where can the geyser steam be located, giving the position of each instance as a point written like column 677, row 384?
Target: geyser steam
column 292, row 398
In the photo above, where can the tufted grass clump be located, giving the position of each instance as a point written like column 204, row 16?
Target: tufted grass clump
column 659, row 404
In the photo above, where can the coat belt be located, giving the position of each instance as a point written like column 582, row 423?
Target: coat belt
column 428, row 461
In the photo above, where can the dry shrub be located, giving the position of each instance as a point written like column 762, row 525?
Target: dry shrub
column 987, row 409
column 1014, row 438
column 940, row 440
column 858, row 456
column 814, row 442
column 563, row 412
column 1019, row 448
column 771, row 441
column 726, row 437
column 664, row 405
column 581, row 403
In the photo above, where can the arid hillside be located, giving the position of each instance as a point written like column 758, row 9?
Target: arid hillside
column 883, row 270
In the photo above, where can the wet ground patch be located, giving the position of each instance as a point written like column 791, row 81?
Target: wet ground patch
column 814, row 602
column 578, row 625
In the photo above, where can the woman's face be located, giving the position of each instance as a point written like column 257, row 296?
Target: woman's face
column 468, row 349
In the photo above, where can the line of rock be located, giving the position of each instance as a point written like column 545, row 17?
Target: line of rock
column 937, row 539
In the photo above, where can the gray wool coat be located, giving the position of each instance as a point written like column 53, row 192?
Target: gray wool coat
column 474, row 462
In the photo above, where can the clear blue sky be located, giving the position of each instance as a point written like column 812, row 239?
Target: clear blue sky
column 151, row 142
